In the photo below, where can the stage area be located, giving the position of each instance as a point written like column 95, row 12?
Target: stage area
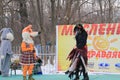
column 64, row 77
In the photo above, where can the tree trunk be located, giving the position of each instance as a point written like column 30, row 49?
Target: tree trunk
column 110, row 12
column 68, row 11
column 101, row 11
column 23, row 13
column 53, row 13
column 53, row 20
column 1, row 14
column 1, row 8
column 58, row 12
column 40, row 13
column 41, row 20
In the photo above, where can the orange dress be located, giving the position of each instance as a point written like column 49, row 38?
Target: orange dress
column 28, row 54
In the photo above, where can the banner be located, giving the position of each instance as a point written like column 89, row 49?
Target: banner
column 103, row 46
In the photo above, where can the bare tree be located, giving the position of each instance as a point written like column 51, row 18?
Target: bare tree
column 1, row 14
column 110, row 11
column 53, row 20
column 23, row 13
column 46, row 14
column 68, row 11
column 101, row 11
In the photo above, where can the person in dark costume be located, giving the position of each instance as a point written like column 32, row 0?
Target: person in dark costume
column 78, row 56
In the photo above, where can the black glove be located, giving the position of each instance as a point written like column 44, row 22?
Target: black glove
column 0, row 72
column 33, row 51
column 39, row 60
column 39, row 32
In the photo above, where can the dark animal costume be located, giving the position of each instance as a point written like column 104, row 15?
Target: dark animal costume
column 78, row 56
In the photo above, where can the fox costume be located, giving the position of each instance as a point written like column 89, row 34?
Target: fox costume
column 28, row 56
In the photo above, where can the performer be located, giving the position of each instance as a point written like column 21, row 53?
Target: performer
column 6, row 50
column 28, row 56
column 78, row 56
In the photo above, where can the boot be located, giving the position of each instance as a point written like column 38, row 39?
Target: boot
column 77, row 78
column 24, row 78
column 0, row 73
column 77, row 75
column 86, row 77
column 30, row 77
column 71, row 75
column 67, row 72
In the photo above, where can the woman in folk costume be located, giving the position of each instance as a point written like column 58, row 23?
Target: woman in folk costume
column 28, row 56
column 78, row 55
column 6, row 50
